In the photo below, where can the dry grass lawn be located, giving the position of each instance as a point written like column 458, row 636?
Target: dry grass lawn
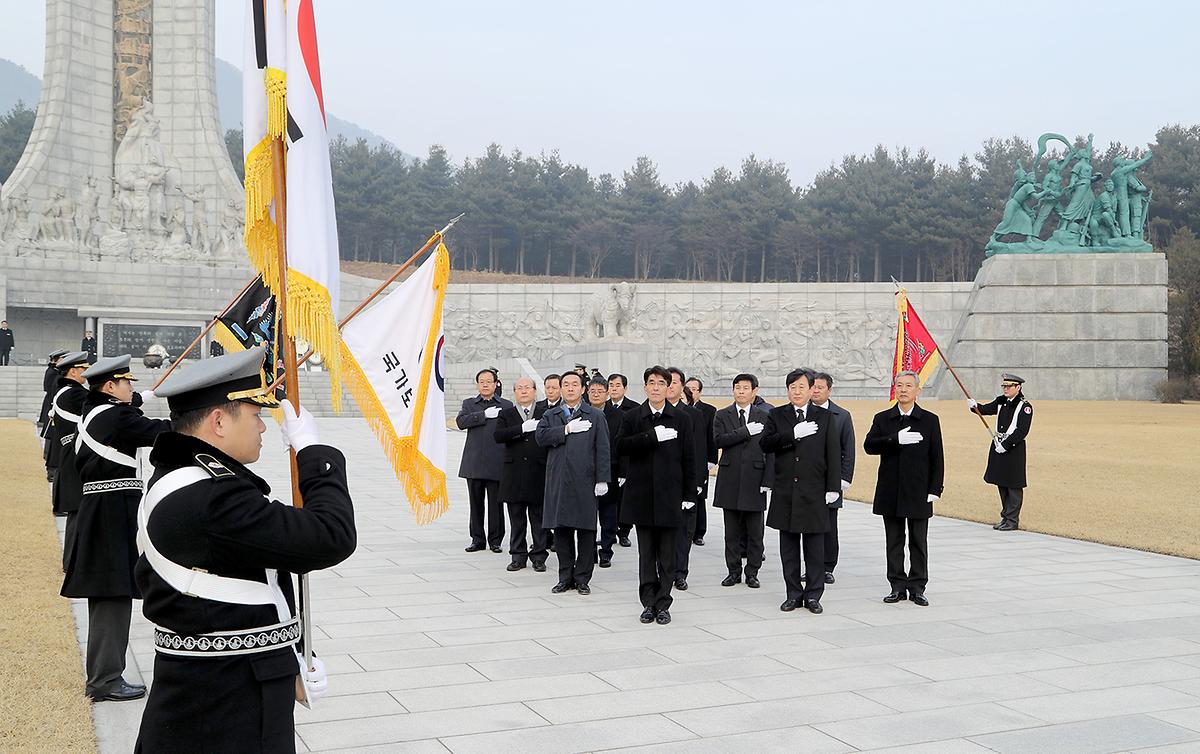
column 42, row 705
column 1121, row 473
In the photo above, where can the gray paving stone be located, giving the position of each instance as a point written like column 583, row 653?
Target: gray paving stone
column 478, row 655
column 416, row 726
column 574, row 737
column 1188, row 717
column 1111, row 675
column 804, row 739
column 784, row 713
column 948, row 746
column 825, row 682
column 1086, row 705
column 945, row 669
column 920, row 727
column 564, row 683
column 642, row 701
column 1092, row 736
column 670, row 675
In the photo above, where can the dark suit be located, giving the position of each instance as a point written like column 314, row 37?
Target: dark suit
column 1007, row 470
column 687, row 532
column 482, row 464
column 659, row 476
column 908, row 475
column 623, row 529
column 710, row 456
column 610, row 503
column 804, row 471
column 843, row 427
column 744, row 469
column 522, row 483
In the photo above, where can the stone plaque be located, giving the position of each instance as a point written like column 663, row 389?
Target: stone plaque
column 136, row 339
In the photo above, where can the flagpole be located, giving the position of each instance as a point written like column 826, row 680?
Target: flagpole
column 205, row 331
column 436, row 237
column 975, row 409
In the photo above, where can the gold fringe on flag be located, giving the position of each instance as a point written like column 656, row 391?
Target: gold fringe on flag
column 227, row 339
column 275, row 81
column 260, row 234
column 310, row 315
column 424, row 483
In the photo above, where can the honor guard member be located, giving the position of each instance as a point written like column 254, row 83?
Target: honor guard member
column 100, row 562
column 1006, row 456
column 217, row 558
column 67, row 408
column 744, row 476
column 49, row 380
column 51, row 449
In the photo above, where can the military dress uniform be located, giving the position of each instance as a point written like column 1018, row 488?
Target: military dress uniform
column 66, row 410
column 215, row 574
column 51, row 449
column 1006, row 469
column 49, row 380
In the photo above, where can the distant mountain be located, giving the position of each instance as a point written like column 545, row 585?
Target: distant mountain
column 16, row 83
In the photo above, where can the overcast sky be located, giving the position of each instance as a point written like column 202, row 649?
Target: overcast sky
column 699, row 84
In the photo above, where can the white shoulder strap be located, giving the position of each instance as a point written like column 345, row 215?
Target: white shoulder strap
column 84, row 438
column 1012, row 427
column 66, row 415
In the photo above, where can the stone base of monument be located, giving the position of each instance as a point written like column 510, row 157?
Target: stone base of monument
column 1075, row 326
column 617, row 355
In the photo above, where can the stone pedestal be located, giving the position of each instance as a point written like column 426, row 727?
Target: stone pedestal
column 1075, row 326
column 619, row 356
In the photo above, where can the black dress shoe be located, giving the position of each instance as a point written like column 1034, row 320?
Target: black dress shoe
column 829, row 579
column 789, row 605
column 1006, row 526
column 561, row 587
column 123, row 692
column 919, row 599
column 681, row 584
column 997, row 525
column 732, row 579
column 584, row 589
column 698, row 541
column 474, row 547
column 605, row 563
column 752, row 582
column 515, row 566
column 539, row 567
column 663, row 617
column 897, row 596
column 624, row 542
column 814, row 607
column 497, row 549
column 647, row 615
column 141, row 686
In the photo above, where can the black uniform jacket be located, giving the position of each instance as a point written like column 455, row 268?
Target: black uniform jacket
column 804, row 469
column 659, row 476
column 523, row 479
column 744, row 468
column 101, row 561
column 49, row 381
column 908, row 474
column 68, row 404
column 1007, row 469
column 228, row 526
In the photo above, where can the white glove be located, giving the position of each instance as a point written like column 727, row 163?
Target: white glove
column 687, row 505
column 754, row 428
column 764, row 490
column 529, row 425
column 712, row 466
column 805, row 429
column 831, row 498
column 998, row 445
column 621, row 482
column 578, row 425
column 147, row 395
column 665, row 433
column 932, row 499
column 299, row 431
column 491, row 413
column 316, row 681
column 601, row 489
column 907, row 437
column 845, row 485
column 972, row 403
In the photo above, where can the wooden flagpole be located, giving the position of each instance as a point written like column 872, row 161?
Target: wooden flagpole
column 207, row 329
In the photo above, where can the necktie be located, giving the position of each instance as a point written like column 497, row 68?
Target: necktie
column 799, row 414
column 526, row 410
column 743, row 413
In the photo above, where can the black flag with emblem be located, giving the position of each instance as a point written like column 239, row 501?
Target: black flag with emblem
column 250, row 323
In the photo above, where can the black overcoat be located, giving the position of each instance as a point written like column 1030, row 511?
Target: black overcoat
column 49, row 386
column 804, row 470
column 843, row 427
column 482, row 457
column 659, row 475
column 908, row 474
column 228, row 526
column 523, row 479
column 68, row 408
column 575, row 463
column 744, row 468
column 104, row 552
column 1007, row 469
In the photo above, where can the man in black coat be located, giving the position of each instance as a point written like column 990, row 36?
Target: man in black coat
column 1006, row 456
column 709, row 412
column 908, row 440
column 7, row 342
column 744, row 476
column 100, row 563
column 658, row 452
column 67, row 409
column 843, row 427
column 687, row 534
column 49, row 383
column 609, row 504
column 218, row 558
column 88, row 345
column 482, row 461
column 523, row 480
column 617, row 385
column 552, row 385
column 807, row 465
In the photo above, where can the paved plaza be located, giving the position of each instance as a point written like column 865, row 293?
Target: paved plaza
column 1031, row 644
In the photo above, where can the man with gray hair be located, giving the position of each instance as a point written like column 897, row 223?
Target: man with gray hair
column 908, row 440
column 523, row 477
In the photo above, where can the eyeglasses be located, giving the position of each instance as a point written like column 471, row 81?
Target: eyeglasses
column 1010, row 384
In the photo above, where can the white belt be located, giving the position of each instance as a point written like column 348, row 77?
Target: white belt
column 66, row 415
column 111, row 485
column 105, row 452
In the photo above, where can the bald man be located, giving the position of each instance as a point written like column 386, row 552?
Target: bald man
column 523, row 476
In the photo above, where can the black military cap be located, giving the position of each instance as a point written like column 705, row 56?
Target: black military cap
column 233, row 377
column 73, row 359
column 56, row 353
column 109, row 368
column 1009, row 377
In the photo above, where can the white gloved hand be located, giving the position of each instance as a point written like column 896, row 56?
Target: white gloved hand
column 316, row 681
column 578, row 425
column 712, row 466
column 529, row 425
column 298, row 430
column 907, row 437
column 764, row 490
column 932, row 499
column 601, row 489
column 845, row 485
column 491, row 413
column 147, row 395
column 999, row 445
column 687, row 505
column 665, row 433
column 621, row 482
column 754, row 428
column 805, row 429
column 831, row 498
column 972, row 403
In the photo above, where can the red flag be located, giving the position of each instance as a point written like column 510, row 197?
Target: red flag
column 916, row 351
